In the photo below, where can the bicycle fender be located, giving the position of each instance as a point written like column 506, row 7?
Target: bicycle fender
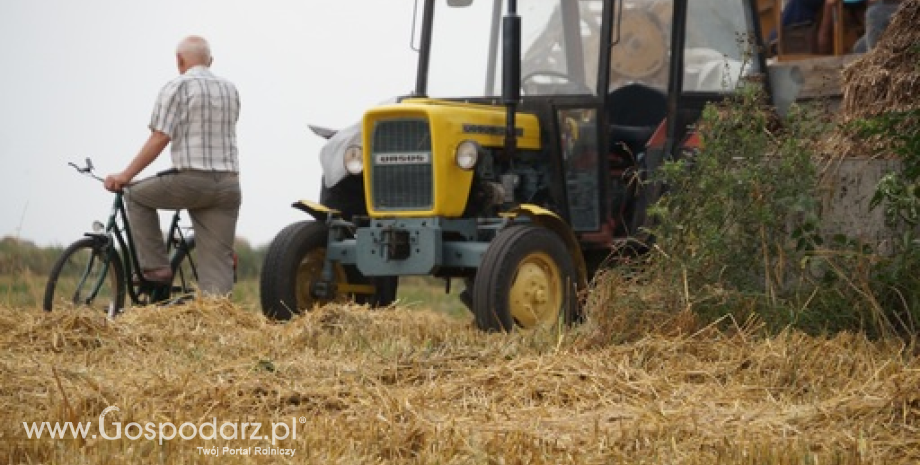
column 100, row 240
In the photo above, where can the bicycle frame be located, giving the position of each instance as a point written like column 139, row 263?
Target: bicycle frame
column 117, row 231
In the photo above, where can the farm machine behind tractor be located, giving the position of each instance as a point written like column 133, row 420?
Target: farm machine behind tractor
column 520, row 163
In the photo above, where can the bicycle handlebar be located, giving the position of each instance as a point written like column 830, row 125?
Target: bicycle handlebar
column 87, row 170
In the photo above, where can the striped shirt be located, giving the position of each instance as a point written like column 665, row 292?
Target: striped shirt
column 199, row 111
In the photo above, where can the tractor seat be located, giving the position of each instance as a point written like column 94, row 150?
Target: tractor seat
column 634, row 137
column 634, row 111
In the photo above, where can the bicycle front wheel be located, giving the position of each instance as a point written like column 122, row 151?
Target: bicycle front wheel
column 86, row 276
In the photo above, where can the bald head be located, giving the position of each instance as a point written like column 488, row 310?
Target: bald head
column 193, row 51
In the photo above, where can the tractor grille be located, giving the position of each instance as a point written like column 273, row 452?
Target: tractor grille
column 401, row 166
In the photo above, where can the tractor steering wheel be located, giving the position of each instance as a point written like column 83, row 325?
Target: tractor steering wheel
column 553, row 82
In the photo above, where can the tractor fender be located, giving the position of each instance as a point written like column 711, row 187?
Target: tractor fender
column 553, row 222
column 317, row 210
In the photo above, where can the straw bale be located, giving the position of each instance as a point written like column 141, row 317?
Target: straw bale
column 402, row 385
column 886, row 79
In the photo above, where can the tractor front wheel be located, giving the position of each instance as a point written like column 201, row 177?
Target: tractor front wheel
column 294, row 263
column 527, row 279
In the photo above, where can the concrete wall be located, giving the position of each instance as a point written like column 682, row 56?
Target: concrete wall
column 847, row 186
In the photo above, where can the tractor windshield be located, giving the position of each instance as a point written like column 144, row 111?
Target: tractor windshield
column 562, row 46
column 556, row 38
column 719, row 49
column 717, row 45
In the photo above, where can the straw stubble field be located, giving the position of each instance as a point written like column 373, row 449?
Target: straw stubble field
column 410, row 385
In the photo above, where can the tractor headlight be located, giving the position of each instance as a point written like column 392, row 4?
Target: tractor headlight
column 467, row 154
column 354, row 160
column 98, row 227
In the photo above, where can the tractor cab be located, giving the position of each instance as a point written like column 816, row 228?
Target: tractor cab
column 601, row 76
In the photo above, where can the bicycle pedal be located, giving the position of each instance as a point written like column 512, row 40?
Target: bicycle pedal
column 156, row 293
column 177, row 300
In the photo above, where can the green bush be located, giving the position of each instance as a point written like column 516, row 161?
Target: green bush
column 896, row 278
column 738, row 234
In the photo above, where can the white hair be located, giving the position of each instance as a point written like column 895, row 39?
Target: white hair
column 196, row 48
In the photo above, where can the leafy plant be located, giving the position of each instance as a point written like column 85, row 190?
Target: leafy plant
column 898, row 192
column 742, row 212
column 739, row 235
column 896, row 277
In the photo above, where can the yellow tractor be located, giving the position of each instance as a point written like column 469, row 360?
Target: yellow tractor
column 521, row 162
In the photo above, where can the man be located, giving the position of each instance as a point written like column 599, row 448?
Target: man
column 878, row 16
column 797, row 13
column 197, row 114
column 815, row 13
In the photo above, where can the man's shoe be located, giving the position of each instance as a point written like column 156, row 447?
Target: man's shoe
column 156, row 276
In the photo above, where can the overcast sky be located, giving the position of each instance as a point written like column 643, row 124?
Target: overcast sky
column 79, row 79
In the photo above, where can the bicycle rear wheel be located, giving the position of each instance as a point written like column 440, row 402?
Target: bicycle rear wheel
column 86, row 275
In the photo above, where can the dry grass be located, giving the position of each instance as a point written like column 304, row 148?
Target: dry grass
column 413, row 386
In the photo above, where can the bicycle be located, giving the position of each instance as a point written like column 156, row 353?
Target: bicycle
column 102, row 269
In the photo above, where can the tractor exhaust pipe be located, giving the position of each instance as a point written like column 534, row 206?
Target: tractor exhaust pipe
column 511, row 74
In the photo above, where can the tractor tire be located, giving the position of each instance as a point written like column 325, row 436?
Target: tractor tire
column 642, row 195
column 527, row 279
column 294, row 261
